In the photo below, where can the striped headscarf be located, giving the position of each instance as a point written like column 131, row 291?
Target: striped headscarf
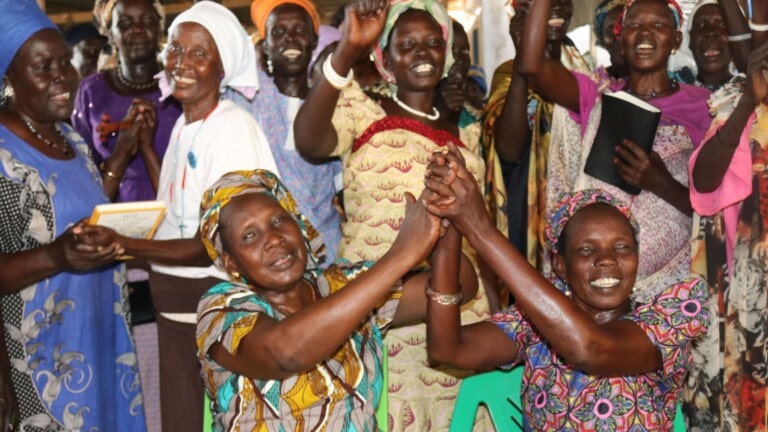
column 260, row 10
column 238, row 183
column 602, row 9
column 397, row 8
column 571, row 202
column 677, row 12
column 102, row 12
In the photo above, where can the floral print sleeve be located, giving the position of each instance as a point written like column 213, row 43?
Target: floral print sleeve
column 354, row 112
column 672, row 319
column 226, row 314
column 517, row 327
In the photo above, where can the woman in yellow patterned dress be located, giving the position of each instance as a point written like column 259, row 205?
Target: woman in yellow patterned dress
column 384, row 147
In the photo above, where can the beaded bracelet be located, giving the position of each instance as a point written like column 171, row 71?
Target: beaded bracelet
column 442, row 298
column 739, row 37
column 334, row 79
column 758, row 27
column 108, row 173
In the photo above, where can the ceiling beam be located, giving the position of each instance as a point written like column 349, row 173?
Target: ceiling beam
column 68, row 18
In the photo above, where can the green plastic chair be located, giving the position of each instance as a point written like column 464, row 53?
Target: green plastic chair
column 499, row 391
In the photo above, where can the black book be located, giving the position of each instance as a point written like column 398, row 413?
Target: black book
column 623, row 117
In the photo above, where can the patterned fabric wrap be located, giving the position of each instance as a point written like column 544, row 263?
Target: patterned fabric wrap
column 27, row 19
column 260, row 10
column 397, row 8
column 102, row 13
column 238, row 183
column 557, row 396
column 602, row 9
column 570, row 203
column 677, row 12
column 340, row 393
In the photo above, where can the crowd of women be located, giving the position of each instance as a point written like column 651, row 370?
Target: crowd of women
column 339, row 200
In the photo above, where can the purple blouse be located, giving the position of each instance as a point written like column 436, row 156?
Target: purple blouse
column 94, row 98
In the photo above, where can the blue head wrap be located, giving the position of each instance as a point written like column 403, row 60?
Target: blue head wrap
column 25, row 19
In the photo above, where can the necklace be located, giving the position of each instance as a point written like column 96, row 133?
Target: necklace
column 673, row 85
column 64, row 147
column 434, row 116
column 136, row 87
column 191, row 161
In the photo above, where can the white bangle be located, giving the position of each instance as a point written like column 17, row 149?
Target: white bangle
column 442, row 298
column 758, row 27
column 334, row 79
column 740, row 37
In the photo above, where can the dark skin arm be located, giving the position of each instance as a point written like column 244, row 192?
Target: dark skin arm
column 737, row 25
column 715, row 157
column 146, row 145
column 319, row 329
column 617, row 347
column 9, row 408
column 313, row 131
column 186, row 252
column 549, row 77
column 80, row 248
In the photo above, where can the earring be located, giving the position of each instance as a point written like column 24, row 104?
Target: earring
column 234, row 276
column 8, row 92
column 270, row 67
column 567, row 291
column 674, row 50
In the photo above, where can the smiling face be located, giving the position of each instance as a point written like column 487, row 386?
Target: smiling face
column 262, row 242
column 416, row 51
column 709, row 43
column 599, row 259
column 192, row 64
column 43, row 77
column 290, row 40
column 559, row 20
column 649, row 35
column 135, row 30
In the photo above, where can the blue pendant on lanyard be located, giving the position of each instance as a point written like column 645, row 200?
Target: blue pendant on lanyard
column 192, row 159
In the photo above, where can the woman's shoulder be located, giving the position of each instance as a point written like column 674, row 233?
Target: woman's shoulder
column 95, row 84
column 692, row 92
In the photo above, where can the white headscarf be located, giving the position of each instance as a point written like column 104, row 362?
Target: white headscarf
column 237, row 53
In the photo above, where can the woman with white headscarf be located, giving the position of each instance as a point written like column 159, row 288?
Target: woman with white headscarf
column 207, row 51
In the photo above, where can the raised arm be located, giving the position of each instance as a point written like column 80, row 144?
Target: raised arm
column 280, row 349
column 313, row 131
column 716, row 154
column 549, row 77
column 616, row 348
column 479, row 346
column 737, row 28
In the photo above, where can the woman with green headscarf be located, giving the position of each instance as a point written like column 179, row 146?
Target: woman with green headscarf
column 285, row 345
column 384, row 147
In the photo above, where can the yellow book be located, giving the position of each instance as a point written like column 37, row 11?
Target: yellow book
column 138, row 219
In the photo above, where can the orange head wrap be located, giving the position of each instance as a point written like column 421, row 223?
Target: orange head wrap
column 260, row 10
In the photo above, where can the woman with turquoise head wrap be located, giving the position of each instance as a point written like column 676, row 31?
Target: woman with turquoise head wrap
column 72, row 359
column 384, row 145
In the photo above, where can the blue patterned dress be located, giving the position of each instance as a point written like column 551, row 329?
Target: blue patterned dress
column 73, row 360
